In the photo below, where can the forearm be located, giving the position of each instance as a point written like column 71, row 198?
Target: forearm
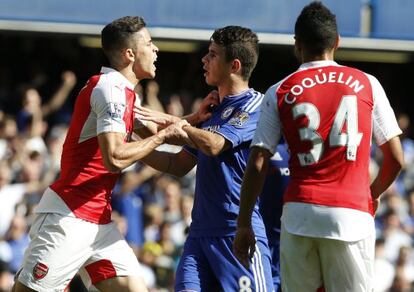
column 390, row 167
column 253, row 181
column 124, row 154
column 177, row 164
column 386, row 175
column 209, row 143
column 146, row 131
column 193, row 119
column 158, row 160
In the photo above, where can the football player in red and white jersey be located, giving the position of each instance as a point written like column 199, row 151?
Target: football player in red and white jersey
column 327, row 114
column 73, row 230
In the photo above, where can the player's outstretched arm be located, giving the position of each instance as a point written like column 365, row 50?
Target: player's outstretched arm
column 164, row 120
column 178, row 164
column 253, row 180
column 118, row 155
column 392, row 163
column 209, row 143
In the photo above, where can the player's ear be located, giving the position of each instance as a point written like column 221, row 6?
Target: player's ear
column 236, row 66
column 298, row 45
column 298, row 49
column 338, row 38
column 129, row 54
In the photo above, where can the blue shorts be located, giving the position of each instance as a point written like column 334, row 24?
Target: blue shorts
column 208, row 264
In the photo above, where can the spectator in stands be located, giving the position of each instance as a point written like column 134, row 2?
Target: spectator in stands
column 33, row 107
column 383, row 269
column 394, row 236
column 6, row 277
column 18, row 239
column 13, row 193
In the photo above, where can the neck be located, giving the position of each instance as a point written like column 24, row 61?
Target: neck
column 327, row 56
column 232, row 88
column 128, row 73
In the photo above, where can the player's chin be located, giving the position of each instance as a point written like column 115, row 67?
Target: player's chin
column 150, row 74
column 210, row 81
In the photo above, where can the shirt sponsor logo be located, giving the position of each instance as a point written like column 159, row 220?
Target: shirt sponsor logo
column 239, row 118
column 227, row 112
column 116, row 110
column 40, row 271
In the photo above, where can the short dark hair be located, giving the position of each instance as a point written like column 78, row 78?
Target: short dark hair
column 316, row 28
column 239, row 43
column 118, row 34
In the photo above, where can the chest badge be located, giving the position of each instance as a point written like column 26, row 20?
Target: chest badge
column 227, row 112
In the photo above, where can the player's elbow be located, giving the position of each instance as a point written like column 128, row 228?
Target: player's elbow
column 113, row 165
column 179, row 172
column 393, row 156
column 214, row 149
column 210, row 151
column 398, row 163
column 394, row 164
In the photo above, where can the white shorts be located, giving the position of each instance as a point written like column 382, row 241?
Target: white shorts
column 61, row 246
column 309, row 263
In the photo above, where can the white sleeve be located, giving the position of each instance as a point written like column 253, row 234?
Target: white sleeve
column 268, row 130
column 385, row 125
column 108, row 103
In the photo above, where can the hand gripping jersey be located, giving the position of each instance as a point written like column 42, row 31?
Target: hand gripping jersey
column 218, row 179
column 105, row 104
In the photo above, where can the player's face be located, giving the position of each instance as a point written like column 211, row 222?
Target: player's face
column 216, row 68
column 145, row 56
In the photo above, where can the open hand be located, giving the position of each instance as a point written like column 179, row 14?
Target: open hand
column 162, row 119
column 244, row 245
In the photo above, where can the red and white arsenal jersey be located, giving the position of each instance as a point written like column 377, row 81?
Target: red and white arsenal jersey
column 105, row 104
column 327, row 114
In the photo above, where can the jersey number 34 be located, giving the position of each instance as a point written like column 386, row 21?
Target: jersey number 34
column 347, row 112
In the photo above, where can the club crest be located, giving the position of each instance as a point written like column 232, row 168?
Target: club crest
column 40, row 271
column 227, row 112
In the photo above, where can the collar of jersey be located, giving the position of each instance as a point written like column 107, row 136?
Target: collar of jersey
column 322, row 63
column 238, row 94
column 118, row 77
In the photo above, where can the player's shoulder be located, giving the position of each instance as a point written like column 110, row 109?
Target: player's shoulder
column 252, row 101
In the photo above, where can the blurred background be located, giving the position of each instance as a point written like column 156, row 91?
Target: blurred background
column 49, row 48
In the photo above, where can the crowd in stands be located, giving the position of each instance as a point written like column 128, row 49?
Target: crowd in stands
column 151, row 209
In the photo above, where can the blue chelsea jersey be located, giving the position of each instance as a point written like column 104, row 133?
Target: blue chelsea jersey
column 218, row 179
column 271, row 199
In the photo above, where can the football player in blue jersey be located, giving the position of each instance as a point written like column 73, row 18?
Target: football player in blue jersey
column 271, row 204
column 220, row 148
